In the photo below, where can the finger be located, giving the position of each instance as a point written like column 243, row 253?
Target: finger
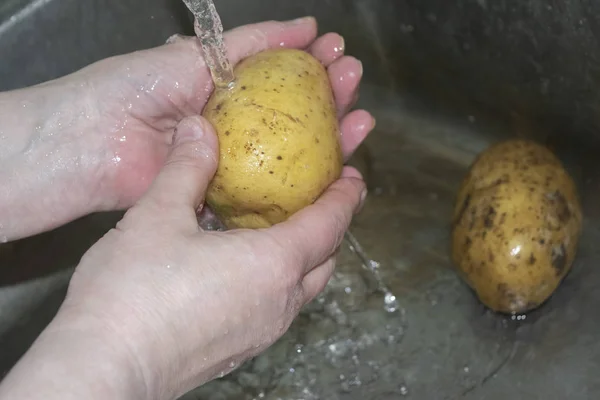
column 327, row 48
column 345, row 75
column 316, row 280
column 179, row 188
column 354, row 129
column 246, row 40
column 250, row 39
column 182, row 55
column 317, row 230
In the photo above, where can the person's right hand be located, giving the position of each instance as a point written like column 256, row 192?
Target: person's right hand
column 170, row 306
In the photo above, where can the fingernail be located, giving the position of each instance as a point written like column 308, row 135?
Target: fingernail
column 361, row 204
column 189, row 129
column 342, row 44
column 303, row 20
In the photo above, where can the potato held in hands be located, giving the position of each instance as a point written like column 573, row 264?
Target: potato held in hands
column 278, row 136
column 517, row 223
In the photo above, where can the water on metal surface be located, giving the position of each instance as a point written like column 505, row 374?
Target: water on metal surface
column 527, row 62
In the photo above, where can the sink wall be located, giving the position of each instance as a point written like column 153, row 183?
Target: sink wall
column 531, row 65
column 485, row 69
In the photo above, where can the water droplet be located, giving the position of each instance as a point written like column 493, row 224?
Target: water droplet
column 518, row 317
column 516, row 250
column 123, row 139
column 168, row 266
column 282, row 44
column 153, row 87
column 391, row 304
column 348, row 290
column 403, row 390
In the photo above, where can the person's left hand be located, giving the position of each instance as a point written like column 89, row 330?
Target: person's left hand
column 148, row 93
column 113, row 122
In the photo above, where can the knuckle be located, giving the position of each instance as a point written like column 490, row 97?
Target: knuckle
column 284, row 258
column 182, row 163
column 194, row 155
column 290, row 304
column 337, row 226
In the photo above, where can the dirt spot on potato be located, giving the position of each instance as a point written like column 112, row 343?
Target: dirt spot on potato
column 488, row 220
column 563, row 211
column 468, row 243
column 559, row 259
column 463, row 208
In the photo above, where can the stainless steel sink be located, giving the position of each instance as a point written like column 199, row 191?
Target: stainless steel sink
column 444, row 79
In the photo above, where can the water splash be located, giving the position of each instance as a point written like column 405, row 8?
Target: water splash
column 390, row 301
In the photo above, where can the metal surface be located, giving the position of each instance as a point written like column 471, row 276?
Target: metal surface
column 444, row 80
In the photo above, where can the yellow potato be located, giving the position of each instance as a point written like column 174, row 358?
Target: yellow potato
column 278, row 136
column 516, row 226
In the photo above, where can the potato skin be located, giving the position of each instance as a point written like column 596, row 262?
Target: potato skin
column 278, row 136
column 516, row 226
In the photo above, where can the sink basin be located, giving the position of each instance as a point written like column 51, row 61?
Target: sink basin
column 444, row 80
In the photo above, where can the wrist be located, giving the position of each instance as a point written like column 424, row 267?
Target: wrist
column 50, row 158
column 167, row 366
column 67, row 362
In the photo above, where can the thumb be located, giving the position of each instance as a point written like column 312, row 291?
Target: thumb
column 189, row 168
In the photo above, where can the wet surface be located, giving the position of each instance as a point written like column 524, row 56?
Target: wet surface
column 528, row 66
column 429, row 338
column 440, row 342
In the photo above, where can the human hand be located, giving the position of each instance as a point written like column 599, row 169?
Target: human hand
column 172, row 306
column 104, row 131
